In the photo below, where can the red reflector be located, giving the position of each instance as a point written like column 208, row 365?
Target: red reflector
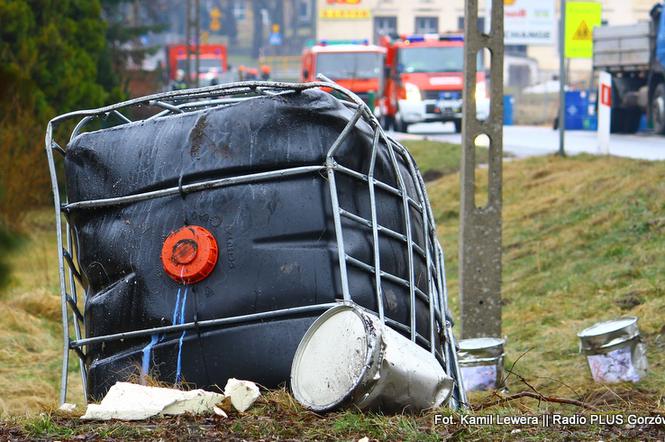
column 189, row 254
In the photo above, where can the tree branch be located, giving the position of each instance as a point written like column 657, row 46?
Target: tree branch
column 534, row 395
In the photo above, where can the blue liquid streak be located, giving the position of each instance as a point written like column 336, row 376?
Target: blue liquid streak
column 145, row 367
column 182, row 336
column 154, row 339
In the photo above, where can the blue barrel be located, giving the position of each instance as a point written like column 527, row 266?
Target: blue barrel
column 508, row 102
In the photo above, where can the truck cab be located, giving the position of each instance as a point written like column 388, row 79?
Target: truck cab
column 213, row 63
column 353, row 64
column 425, row 80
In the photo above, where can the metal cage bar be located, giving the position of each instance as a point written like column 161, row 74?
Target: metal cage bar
column 183, row 101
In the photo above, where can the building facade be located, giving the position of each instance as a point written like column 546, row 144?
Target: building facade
column 532, row 63
column 368, row 19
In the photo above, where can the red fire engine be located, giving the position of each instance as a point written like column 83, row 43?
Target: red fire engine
column 213, row 62
column 353, row 64
column 425, row 79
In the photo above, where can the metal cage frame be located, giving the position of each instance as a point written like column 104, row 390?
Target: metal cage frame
column 189, row 100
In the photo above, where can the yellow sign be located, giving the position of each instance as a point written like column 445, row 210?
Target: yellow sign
column 345, row 14
column 215, row 16
column 581, row 18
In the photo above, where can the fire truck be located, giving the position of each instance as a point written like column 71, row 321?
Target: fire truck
column 425, row 79
column 353, row 64
column 213, row 62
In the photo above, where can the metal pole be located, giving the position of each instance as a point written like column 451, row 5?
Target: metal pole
column 562, row 77
column 197, row 37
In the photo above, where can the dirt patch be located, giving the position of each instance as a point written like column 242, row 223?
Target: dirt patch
column 629, row 301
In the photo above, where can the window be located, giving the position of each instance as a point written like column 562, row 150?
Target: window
column 481, row 23
column 304, row 11
column 239, row 11
column 350, row 65
column 517, row 50
column 427, row 25
column 384, row 26
column 431, row 59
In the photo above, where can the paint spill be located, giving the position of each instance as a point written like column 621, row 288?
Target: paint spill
column 145, row 366
column 182, row 337
column 156, row 338
column 176, row 308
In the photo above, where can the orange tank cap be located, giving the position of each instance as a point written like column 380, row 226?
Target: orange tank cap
column 189, row 254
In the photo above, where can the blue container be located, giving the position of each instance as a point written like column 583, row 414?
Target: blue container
column 508, row 104
column 575, row 110
column 580, row 111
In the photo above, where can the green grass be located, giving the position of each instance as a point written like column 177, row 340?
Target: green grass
column 584, row 240
column 437, row 159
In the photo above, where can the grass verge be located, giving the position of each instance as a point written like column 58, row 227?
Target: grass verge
column 583, row 241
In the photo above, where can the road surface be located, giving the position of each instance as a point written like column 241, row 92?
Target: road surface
column 523, row 141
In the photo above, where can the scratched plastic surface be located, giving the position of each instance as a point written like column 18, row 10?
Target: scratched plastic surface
column 276, row 238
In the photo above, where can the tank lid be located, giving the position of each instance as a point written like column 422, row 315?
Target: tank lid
column 189, row 254
column 332, row 359
column 606, row 334
column 480, row 343
column 478, row 349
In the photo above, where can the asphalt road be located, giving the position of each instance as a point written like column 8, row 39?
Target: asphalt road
column 523, row 141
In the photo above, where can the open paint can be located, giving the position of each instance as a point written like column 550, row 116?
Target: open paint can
column 481, row 363
column 614, row 350
column 348, row 357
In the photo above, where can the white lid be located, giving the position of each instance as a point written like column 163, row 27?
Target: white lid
column 479, row 343
column 601, row 328
column 330, row 359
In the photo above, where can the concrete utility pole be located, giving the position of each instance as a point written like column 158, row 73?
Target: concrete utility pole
column 197, row 37
column 193, row 29
column 188, row 41
column 562, row 77
column 480, row 227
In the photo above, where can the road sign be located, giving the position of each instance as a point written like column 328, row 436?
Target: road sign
column 604, row 112
column 529, row 22
column 275, row 39
column 215, row 19
column 581, row 18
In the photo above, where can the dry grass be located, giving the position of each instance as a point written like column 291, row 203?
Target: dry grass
column 30, row 331
column 584, row 240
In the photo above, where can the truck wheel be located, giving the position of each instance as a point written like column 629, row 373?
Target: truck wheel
column 458, row 126
column 625, row 120
column 658, row 109
column 633, row 117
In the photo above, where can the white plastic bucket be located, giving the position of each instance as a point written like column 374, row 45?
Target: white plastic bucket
column 349, row 357
column 614, row 350
column 481, row 363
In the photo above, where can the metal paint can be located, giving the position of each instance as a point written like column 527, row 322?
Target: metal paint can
column 481, row 363
column 348, row 357
column 614, row 350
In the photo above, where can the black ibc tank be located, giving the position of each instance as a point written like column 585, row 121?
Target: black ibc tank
column 276, row 238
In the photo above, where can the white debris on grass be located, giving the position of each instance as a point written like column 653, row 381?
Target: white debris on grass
column 242, row 393
column 67, row 407
column 126, row 401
